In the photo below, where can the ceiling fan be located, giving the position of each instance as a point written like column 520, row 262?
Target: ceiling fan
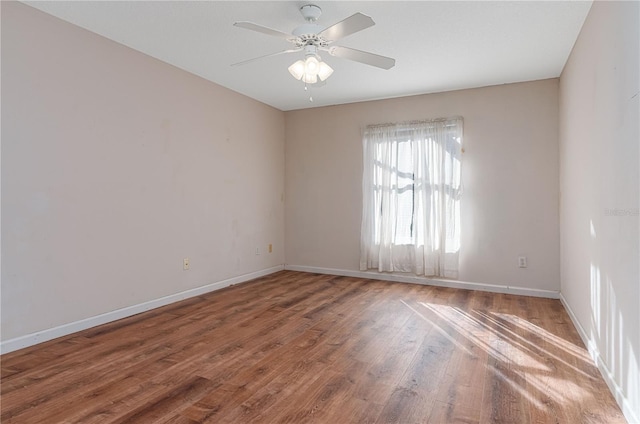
column 311, row 38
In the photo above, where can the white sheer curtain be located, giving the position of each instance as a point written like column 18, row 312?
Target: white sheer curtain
column 411, row 197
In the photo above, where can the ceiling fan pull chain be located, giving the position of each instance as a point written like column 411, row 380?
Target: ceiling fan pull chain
column 306, row 88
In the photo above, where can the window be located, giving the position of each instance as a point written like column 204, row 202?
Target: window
column 411, row 197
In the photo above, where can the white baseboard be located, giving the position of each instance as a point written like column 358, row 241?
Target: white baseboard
column 73, row 327
column 428, row 281
column 607, row 375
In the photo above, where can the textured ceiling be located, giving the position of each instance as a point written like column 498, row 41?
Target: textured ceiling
column 438, row 45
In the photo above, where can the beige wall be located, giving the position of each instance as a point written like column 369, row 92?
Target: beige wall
column 510, row 177
column 115, row 167
column 599, row 162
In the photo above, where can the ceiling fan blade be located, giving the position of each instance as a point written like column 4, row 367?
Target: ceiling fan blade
column 363, row 57
column 348, row 26
column 265, row 56
column 263, row 29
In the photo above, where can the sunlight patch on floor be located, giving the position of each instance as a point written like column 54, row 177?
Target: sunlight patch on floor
column 534, row 363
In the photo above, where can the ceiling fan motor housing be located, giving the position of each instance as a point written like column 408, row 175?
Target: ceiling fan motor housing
column 307, row 29
column 307, row 33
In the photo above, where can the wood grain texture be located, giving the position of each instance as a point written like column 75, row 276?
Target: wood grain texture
column 304, row 348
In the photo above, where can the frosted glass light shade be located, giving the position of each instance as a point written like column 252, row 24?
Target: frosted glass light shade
column 297, row 70
column 311, row 65
column 310, row 79
column 325, row 71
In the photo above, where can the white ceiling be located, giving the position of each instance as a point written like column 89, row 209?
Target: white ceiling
column 438, row 45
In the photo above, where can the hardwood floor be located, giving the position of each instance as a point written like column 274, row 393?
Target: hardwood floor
column 294, row 347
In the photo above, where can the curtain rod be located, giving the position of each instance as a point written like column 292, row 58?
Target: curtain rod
column 415, row 122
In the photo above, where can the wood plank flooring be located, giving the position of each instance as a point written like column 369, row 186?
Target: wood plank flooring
column 304, row 348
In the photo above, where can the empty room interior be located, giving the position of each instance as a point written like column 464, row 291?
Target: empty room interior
column 337, row 212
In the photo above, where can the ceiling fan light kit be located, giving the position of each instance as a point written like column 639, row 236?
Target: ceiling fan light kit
column 311, row 37
column 311, row 68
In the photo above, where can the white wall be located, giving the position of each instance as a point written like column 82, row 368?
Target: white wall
column 599, row 162
column 116, row 166
column 510, row 177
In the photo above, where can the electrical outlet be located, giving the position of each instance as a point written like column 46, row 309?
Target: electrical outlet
column 522, row 261
column 270, row 248
column 185, row 264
